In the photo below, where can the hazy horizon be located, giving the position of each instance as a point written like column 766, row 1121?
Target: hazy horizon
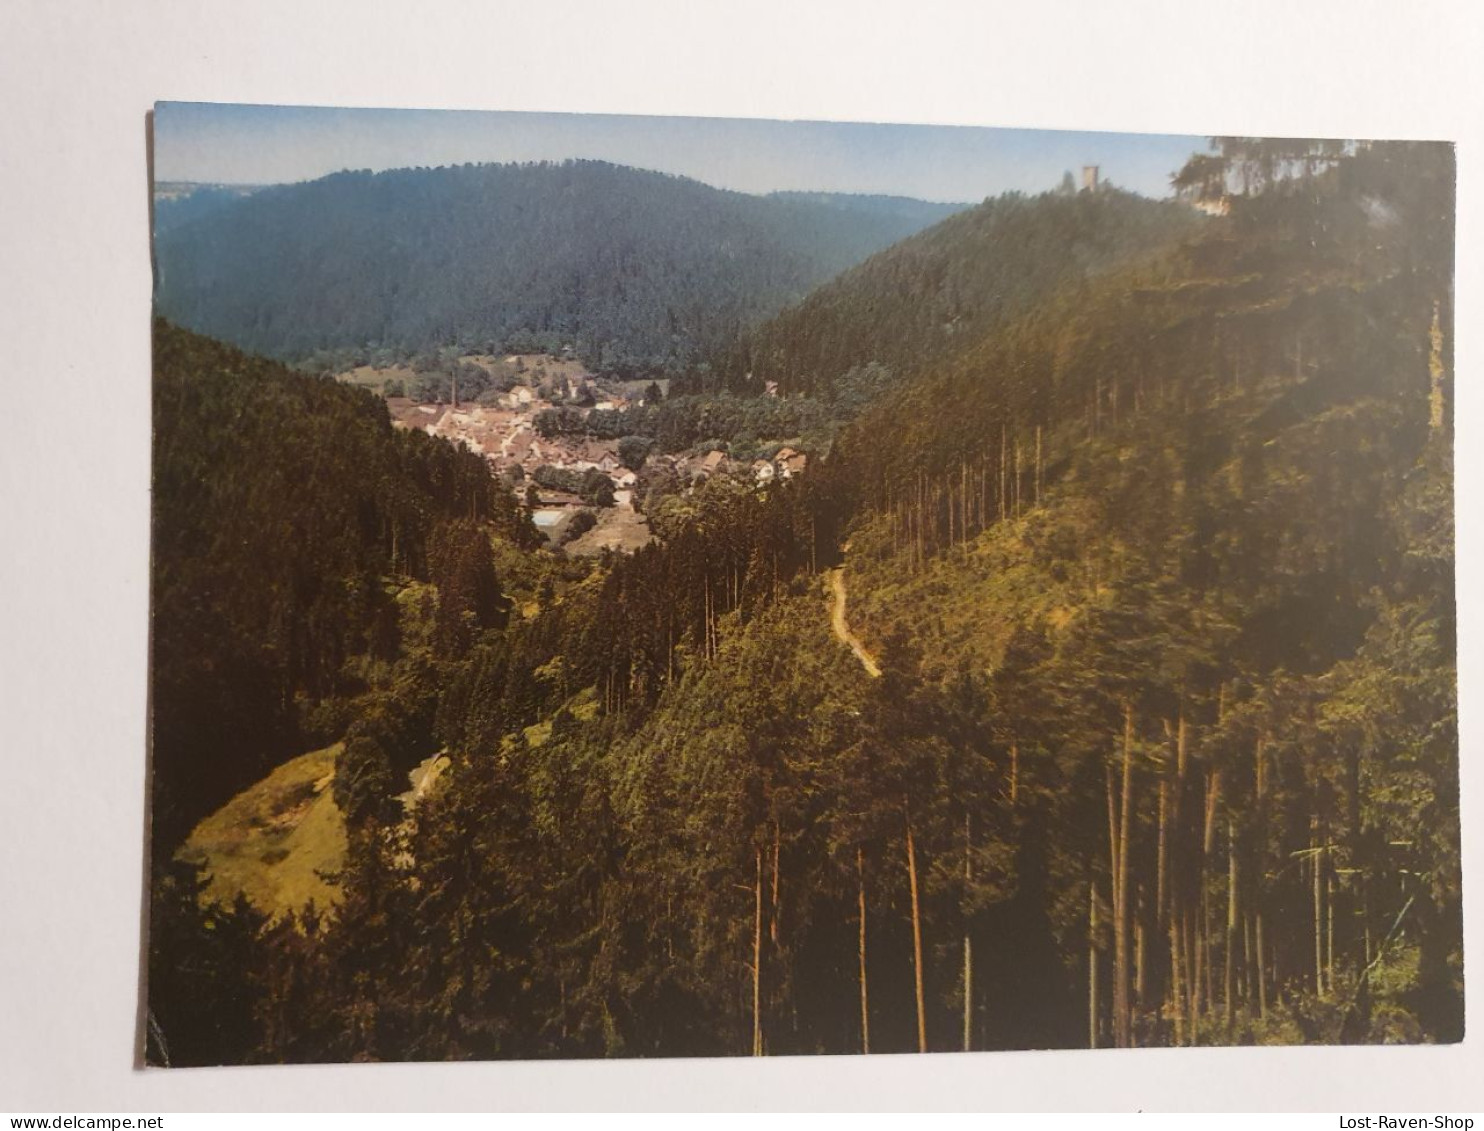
column 258, row 145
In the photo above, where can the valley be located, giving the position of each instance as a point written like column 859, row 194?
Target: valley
column 1031, row 629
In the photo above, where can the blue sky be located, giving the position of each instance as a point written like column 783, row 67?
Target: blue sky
column 277, row 144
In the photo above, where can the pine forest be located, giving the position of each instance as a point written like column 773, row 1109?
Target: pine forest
column 595, row 614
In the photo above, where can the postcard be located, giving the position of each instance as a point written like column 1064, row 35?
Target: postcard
column 667, row 587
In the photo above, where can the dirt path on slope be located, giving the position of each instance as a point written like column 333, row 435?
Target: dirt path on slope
column 842, row 626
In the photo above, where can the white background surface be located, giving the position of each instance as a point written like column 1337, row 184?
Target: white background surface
column 77, row 77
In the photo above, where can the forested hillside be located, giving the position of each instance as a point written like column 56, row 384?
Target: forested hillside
column 866, row 333
column 286, row 509
column 1138, row 726
column 630, row 268
column 930, row 296
column 1196, row 539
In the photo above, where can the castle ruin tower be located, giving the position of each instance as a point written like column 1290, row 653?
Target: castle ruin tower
column 1089, row 178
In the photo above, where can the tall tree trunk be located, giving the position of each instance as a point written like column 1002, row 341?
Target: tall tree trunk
column 1139, row 984
column 1124, row 1018
column 968, row 940
column 706, row 617
column 1170, row 909
column 1329, row 953
column 1114, row 854
column 1004, row 456
column 1258, row 884
column 1318, row 920
column 1161, row 858
column 963, row 503
column 980, row 487
column 1177, row 988
column 1437, row 372
column 860, row 874
column 1197, row 945
column 1092, row 966
column 1213, row 801
column 916, row 938
column 1231, row 924
column 1208, row 847
column 1014, row 772
column 948, row 495
column 1018, row 476
column 1356, row 835
column 1192, row 971
column 922, row 519
column 1208, row 963
column 773, row 915
column 1262, row 977
column 757, row 956
column 1244, row 983
column 1038, row 465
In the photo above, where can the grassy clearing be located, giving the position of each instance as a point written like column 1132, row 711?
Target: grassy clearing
column 584, row 708
column 274, row 839
column 377, row 380
column 619, row 528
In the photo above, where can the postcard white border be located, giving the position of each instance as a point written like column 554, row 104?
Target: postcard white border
column 77, row 79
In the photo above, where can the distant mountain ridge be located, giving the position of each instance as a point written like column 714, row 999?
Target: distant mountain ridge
column 626, row 266
column 903, row 207
column 179, row 202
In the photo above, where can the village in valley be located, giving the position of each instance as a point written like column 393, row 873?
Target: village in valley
column 502, row 422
